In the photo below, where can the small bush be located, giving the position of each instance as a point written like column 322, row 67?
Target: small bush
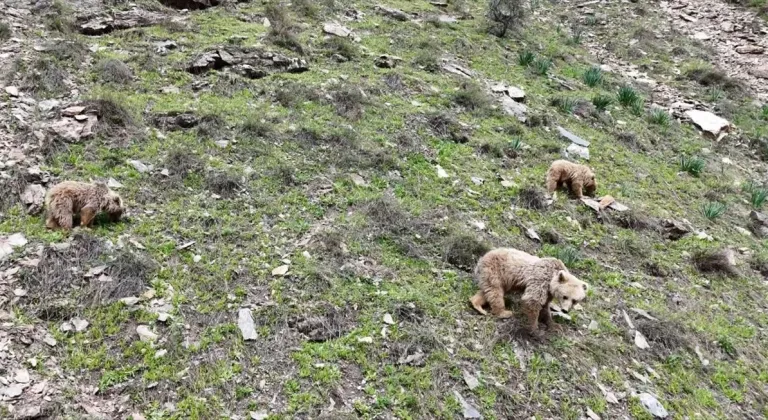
column 708, row 77
column 627, row 96
column 505, row 15
column 281, row 29
column 637, row 107
column 223, row 184
column 715, row 94
column 590, row 21
column 713, row 209
column 341, row 46
column 764, row 112
column 659, row 117
column 463, row 251
column 692, row 165
column 350, row 102
column 564, row 105
column 525, row 58
column 715, row 261
column 182, row 163
column 472, row 97
column 429, row 60
column 541, row 66
column 256, row 128
column 601, row 102
column 567, row 254
column 593, row 77
column 531, row 198
column 114, row 71
column 305, row 8
column 292, row 94
column 5, row 31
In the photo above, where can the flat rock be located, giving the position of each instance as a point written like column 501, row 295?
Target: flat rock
column 708, row 122
column 458, row 69
column 468, row 411
column 759, row 71
column 246, row 325
column 750, row 49
column 393, row 13
column 33, row 198
column 139, row 166
column 650, row 403
column 641, row 342
column 470, row 380
column 513, row 92
column 514, row 108
column 12, row 90
column 105, row 23
column 572, row 137
column 71, row 111
column 574, row 149
column 334, row 28
column 145, row 334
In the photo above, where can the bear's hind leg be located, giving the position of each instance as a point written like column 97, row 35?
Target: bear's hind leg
column 495, row 298
column 477, row 301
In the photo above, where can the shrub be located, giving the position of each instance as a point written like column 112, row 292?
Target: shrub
column 472, row 97
column 637, row 107
column 593, row 76
column 693, row 166
column 628, row 96
column 281, row 29
column 505, row 15
column 713, row 209
column 541, row 66
column 564, row 105
column 715, row 94
column 525, row 58
column 567, row 254
column 601, row 102
column 114, row 71
column 659, row 117
column 429, row 60
column 757, row 194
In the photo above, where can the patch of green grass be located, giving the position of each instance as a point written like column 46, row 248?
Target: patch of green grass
column 692, row 165
column 601, row 102
column 637, row 107
column 525, row 58
column 569, row 255
column 715, row 94
column 713, row 209
column 757, row 197
column 659, row 117
column 472, row 97
column 628, row 96
column 593, row 77
column 764, row 112
column 541, row 66
column 563, row 104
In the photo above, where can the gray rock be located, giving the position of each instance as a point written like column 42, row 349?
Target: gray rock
column 396, row 14
column 458, row 69
column 750, row 49
column 142, row 168
column 33, row 198
column 760, row 72
column 574, row 149
column 246, row 325
column 334, row 28
column 514, row 108
column 708, row 122
column 145, row 334
column 386, row 61
column 653, row 405
column 470, row 380
column 190, row 4
column 674, row 230
column 468, row 410
column 572, row 137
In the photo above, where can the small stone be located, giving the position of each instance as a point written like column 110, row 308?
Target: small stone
column 222, row 143
column 49, row 340
column 750, row 49
column 468, row 411
column 72, row 111
column 653, row 405
column 641, row 342
column 572, row 137
column 388, row 319
column 246, row 325
column 592, row 415
column 579, row 151
column 281, row 270
column 334, row 28
column 258, row 415
column 114, row 184
column 366, row 340
column 477, row 180
column 79, row 324
column 610, row 397
column 470, row 380
column 129, row 301
column 13, row 391
column 19, row 292
column 531, row 234
column 593, row 326
column 139, row 166
column 358, row 180
column 702, row 36
column 386, row 61
column 21, row 376
column 145, row 334
column 12, row 90
column 197, row 258
column 441, row 172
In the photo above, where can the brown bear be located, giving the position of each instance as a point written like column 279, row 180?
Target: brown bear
column 540, row 280
column 579, row 178
column 68, row 198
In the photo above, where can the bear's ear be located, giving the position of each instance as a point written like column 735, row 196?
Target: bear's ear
column 561, row 277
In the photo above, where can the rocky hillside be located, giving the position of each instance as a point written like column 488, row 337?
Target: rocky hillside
column 309, row 184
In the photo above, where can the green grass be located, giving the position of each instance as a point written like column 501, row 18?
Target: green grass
column 526, row 58
column 593, row 77
column 659, row 117
column 601, row 102
column 713, row 210
column 692, row 165
column 628, row 96
column 757, row 197
column 563, row 104
column 541, row 66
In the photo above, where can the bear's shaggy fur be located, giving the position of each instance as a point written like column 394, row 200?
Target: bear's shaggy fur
column 579, row 178
column 68, row 198
column 540, row 280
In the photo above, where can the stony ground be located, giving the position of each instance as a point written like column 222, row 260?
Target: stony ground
column 310, row 183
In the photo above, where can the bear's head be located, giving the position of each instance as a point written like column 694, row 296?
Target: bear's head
column 590, row 185
column 111, row 202
column 568, row 289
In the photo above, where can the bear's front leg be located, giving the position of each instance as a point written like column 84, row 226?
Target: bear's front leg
column 578, row 189
column 87, row 214
column 545, row 317
column 533, row 311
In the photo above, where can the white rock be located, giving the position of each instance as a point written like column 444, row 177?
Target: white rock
column 334, row 28
column 142, row 168
column 358, row 180
column 470, row 380
column 468, row 410
column 197, row 258
column 114, row 184
column 145, row 333
column 12, row 90
column 246, row 325
column 514, row 108
column 13, row 391
column 641, row 342
column 610, row 397
column 593, row 326
column 574, row 149
column 388, row 319
column 702, row 36
column 592, row 415
column 79, row 324
column 130, row 301
column 258, row 415
column 281, row 270
column 7, row 244
column 441, row 172
column 21, row 376
column 653, row 405
column 366, row 340
column 708, row 122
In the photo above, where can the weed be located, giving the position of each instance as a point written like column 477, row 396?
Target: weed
column 659, row 117
column 182, row 163
column 429, row 60
column 505, row 15
column 628, row 96
column 715, row 94
column 254, row 127
column 715, row 261
column 292, row 94
column 516, row 145
column 223, row 184
column 637, row 107
column 591, row 20
column 114, row 71
column 341, row 46
column 601, row 102
column 564, row 105
column 281, row 29
column 726, row 345
column 567, row 254
column 114, row 118
column 532, row 198
column 525, row 58
column 350, row 101
column 757, row 197
column 576, row 36
column 692, row 165
column 472, row 97
column 713, row 209
column 764, row 112
column 44, row 76
column 712, row 78
column 305, row 8
column 593, row 76
column 541, row 66
column 5, row 31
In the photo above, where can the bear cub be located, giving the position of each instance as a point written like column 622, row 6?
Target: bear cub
column 540, row 280
column 69, row 198
column 579, row 178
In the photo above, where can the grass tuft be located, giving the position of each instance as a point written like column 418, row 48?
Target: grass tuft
column 628, row 96
column 567, row 254
column 713, row 209
column 472, row 97
column 601, row 102
column 541, row 66
column 692, row 165
column 593, row 77
column 563, row 104
column 659, row 117
column 525, row 58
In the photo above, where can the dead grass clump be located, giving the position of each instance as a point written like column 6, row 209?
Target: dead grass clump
column 330, row 244
column 211, row 126
column 254, row 128
column 5, row 31
column 443, row 124
column 281, row 31
column 12, row 187
column 629, row 220
column 115, row 120
column 532, row 198
column 182, row 163
column 394, row 82
column 428, row 59
column 550, row 236
column 350, row 102
column 341, row 46
column 114, row 71
column 713, row 78
column 292, row 94
column 472, row 98
column 715, row 262
column 665, row 337
column 464, row 250
column 306, row 8
column 759, row 263
column 130, row 274
column 386, row 214
column 223, row 184
column 330, row 324
column 44, row 76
